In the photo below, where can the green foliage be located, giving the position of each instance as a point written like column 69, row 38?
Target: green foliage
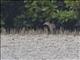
column 40, row 9
column 74, row 5
column 37, row 10
column 65, row 16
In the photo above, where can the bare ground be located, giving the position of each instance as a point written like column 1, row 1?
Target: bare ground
column 40, row 47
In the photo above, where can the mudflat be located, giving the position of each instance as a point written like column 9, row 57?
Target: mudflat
column 40, row 47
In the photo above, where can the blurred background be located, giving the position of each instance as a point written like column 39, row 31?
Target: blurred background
column 18, row 15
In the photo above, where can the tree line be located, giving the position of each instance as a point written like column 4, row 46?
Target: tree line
column 32, row 14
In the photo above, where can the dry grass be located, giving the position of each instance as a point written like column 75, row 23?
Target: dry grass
column 23, row 32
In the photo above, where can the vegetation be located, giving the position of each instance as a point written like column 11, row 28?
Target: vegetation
column 31, row 13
